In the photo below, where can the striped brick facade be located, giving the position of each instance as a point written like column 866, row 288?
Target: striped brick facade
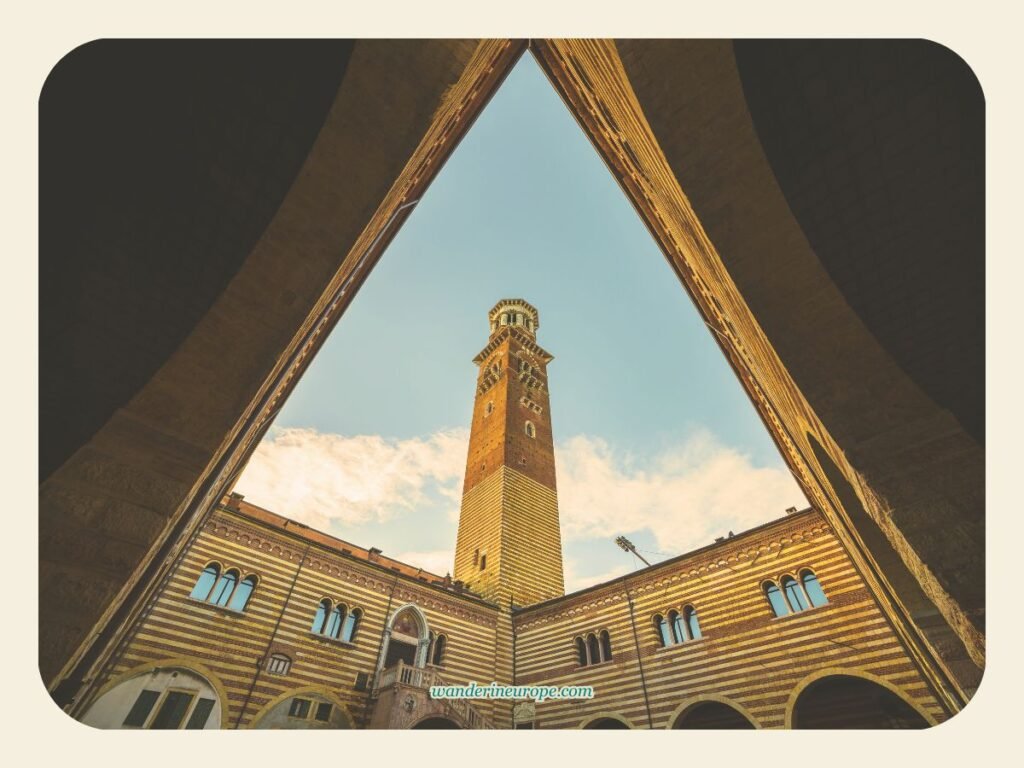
column 297, row 568
column 747, row 657
column 506, row 619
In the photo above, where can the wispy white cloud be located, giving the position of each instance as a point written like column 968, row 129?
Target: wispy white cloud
column 686, row 496
column 683, row 497
column 318, row 478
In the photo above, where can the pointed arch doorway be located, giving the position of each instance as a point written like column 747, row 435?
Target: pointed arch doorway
column 406, row 638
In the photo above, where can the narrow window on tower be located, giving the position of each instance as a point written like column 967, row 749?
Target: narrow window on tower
column 531, row 431
column 483, row 560
column 489, row 408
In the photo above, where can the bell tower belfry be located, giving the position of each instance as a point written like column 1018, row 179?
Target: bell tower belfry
column 509, row 543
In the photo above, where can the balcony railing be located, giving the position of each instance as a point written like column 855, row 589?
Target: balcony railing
column 416, row 677
column 425, row 677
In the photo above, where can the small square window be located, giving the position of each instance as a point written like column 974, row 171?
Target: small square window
column 141, row 708
column 323, row 711
column 172, row 711
column 299, row 708
column 200, row 714
column 279, row 664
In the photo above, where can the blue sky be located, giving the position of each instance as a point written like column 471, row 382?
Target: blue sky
column 654, row 436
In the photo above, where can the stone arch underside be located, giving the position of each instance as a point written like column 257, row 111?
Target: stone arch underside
column 852, row 701
column 767, row 280
column 170, row 448
column 808, row 340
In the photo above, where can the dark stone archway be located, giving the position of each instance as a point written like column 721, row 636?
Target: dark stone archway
column 712, row 715
column 847, row 702
column 606, row 724
column 437, row 724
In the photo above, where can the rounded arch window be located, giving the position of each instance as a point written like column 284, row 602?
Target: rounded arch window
column 240, row 598
column 205, row 582
column 351, row 625
column 531, row 430
column 691, row 623
column 794, row 594
column 606, row 646
column 224, row 587
column 675, row 621
column 581, row 652
column 815, row 593
column 775, row 599
column 320, row 619
column 334, row 622
column 663, row 630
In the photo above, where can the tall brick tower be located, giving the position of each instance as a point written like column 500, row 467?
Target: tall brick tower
column 509, row 545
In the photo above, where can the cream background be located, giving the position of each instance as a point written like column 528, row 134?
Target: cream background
column 983, row 33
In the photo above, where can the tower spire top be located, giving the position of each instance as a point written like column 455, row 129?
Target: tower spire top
column 514, row 312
